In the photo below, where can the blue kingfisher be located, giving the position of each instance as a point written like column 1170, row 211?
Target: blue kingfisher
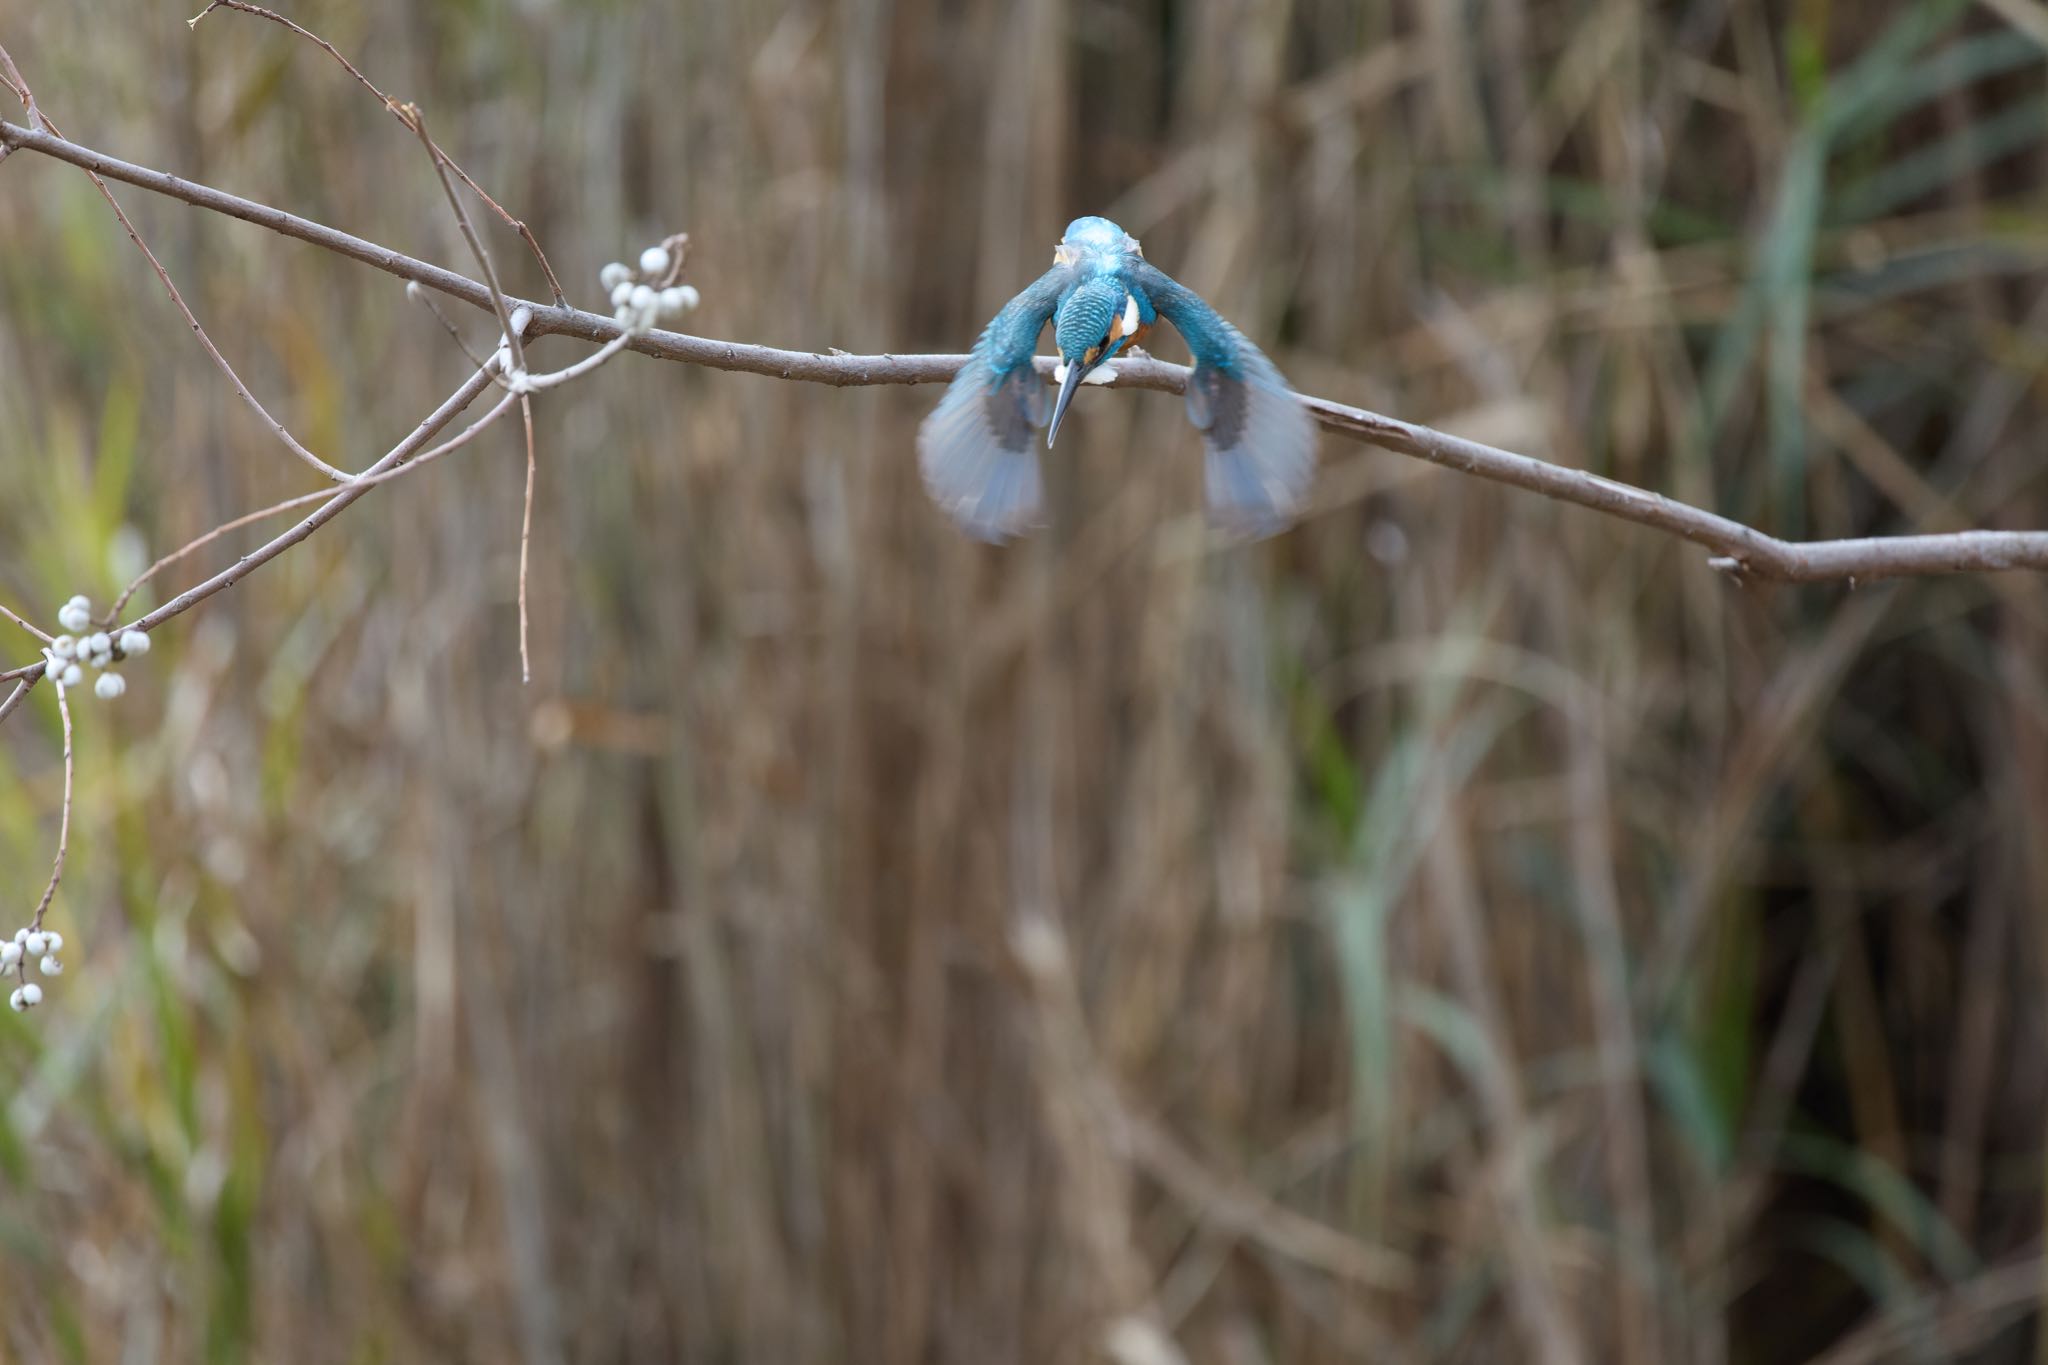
column 1102, row 297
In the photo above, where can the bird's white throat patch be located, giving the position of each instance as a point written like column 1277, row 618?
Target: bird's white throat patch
column 1104, row 373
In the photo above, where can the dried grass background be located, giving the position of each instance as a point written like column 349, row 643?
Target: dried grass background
column 1462, row 929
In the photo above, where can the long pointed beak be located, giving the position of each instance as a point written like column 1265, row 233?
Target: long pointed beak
column 1059, row 406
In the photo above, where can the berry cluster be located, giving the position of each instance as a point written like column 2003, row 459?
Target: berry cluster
column 68, row 656
column 639, row 298
column 40, row 946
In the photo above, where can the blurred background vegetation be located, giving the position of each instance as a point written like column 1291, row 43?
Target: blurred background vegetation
column 1461, row 929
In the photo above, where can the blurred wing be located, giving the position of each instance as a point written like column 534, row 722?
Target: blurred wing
column 1261, row 441
column 979, row 460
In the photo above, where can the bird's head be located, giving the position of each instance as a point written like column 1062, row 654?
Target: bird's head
column 1094, row 237
column 1090, row 327
column 1100, row 314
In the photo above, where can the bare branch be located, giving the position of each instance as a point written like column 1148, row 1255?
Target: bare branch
column 1742, row 551
column 24, row 625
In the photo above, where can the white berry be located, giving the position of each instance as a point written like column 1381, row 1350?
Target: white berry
column 53, row 940
column 72, row 676
column 109, row 686
column 654, row 261
column 134, row 642
column 613, row 275
column 10, row 953
column 37, row 943
column 50, row 966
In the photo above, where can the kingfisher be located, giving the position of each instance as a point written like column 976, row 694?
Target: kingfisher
column 1102, row 297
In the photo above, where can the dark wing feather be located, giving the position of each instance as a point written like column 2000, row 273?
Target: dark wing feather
column 976, row 450
column 1261, row 441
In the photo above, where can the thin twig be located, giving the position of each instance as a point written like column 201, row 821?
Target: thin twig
column 1742, row 551
column 11, row 76
column 532, row 242
column 511, row 327
column 35, row 924
column 536, row 382
column 414, row 292
column 247, row 518
column 28, row 680
column 277, row 428
column 24, row 625
column 416, row 121
column 525, row 538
